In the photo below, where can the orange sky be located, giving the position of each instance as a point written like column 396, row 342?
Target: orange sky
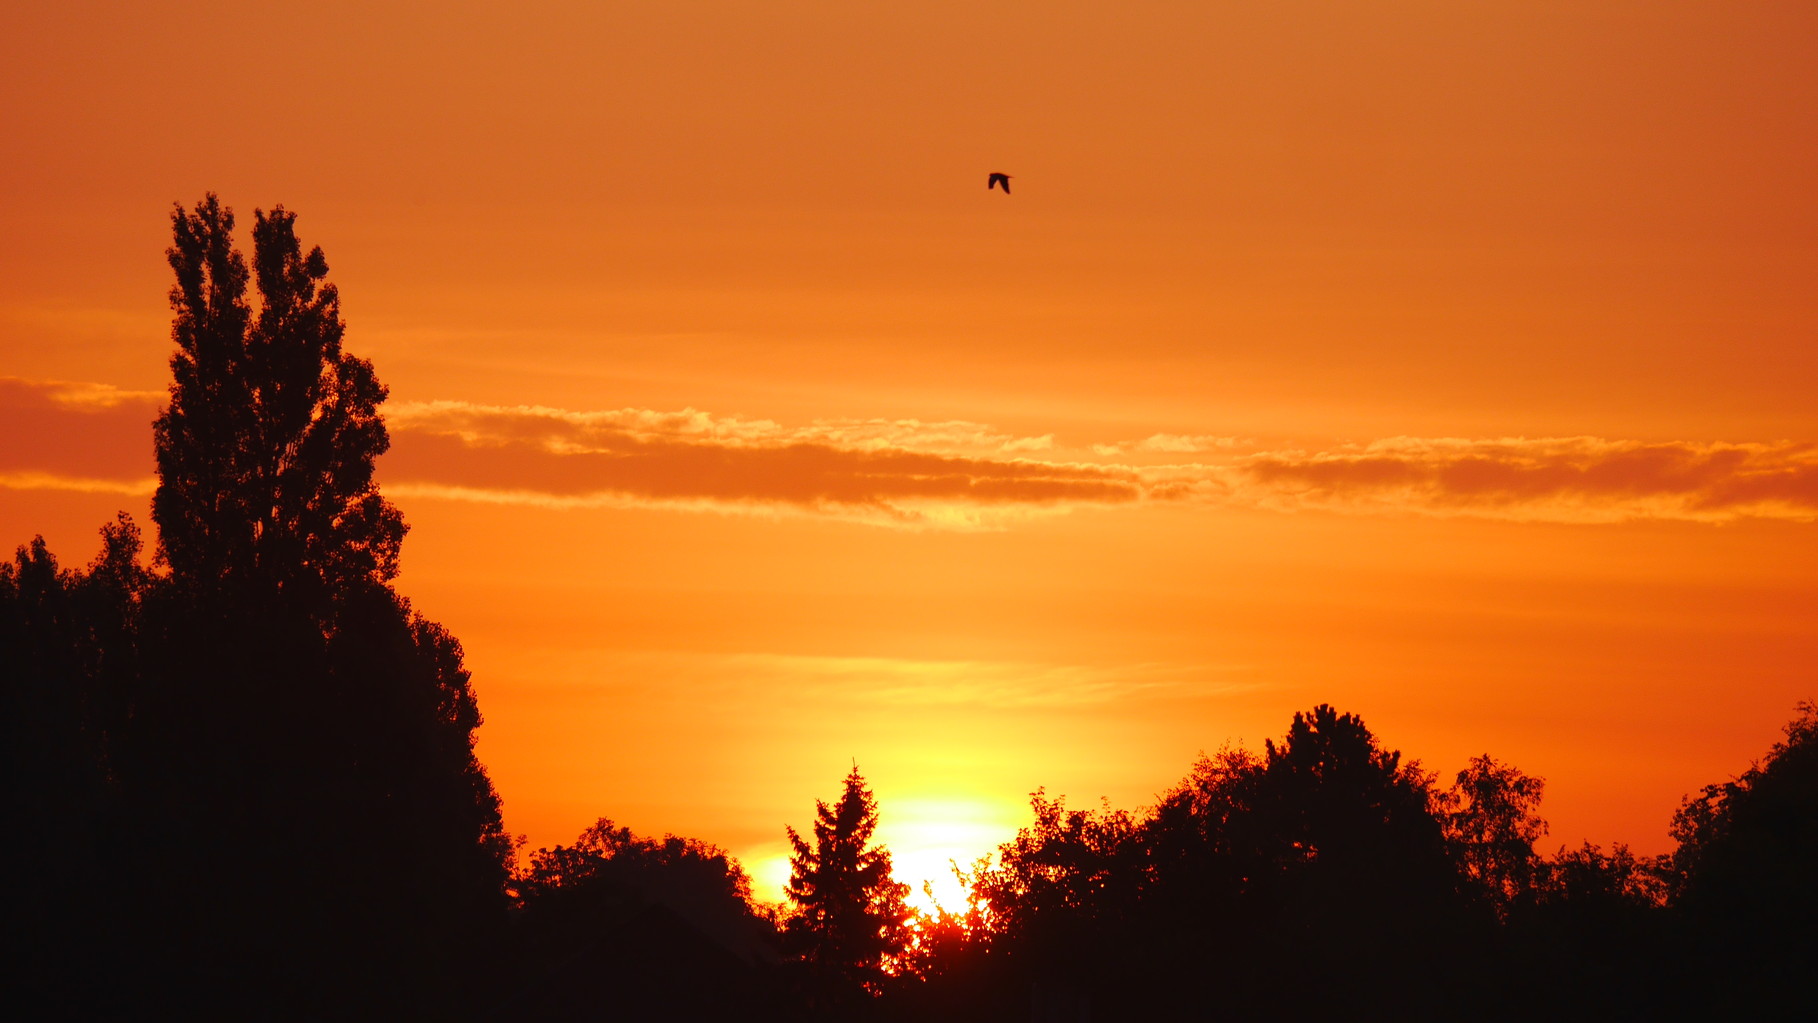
column 1449, row 363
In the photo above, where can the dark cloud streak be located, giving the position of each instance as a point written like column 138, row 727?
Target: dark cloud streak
column 808, row 475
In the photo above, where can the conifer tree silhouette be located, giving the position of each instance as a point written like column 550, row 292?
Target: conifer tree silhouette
column 851, row 916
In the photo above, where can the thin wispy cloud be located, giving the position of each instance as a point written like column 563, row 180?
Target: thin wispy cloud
column 1169, row 443
column 28, row 480
column 83, row 395
column 893, row 682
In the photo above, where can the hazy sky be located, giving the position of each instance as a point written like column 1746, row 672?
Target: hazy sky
column 1450, row 363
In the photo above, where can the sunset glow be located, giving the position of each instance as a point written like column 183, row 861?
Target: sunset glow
column 1452, row 364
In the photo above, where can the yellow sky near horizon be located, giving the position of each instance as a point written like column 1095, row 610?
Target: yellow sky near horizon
column 1450, row 364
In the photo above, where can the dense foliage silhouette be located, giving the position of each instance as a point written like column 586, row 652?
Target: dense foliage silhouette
column 1748, row 854
column 648, row 926
column 1315, row 863
column 1491, row 819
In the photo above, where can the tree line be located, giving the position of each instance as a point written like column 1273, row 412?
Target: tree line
column 240, row 778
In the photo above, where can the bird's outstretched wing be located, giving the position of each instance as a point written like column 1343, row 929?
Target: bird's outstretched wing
column 998, row 179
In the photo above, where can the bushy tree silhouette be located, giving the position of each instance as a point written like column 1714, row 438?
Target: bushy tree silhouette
column 655, row 926
column 1069, row 877
column 1748, row 863
column 850, row 916
column 1330, row 796
column 1311, row 864
column 1491, row 822
column 696, row 878
column 69, row 677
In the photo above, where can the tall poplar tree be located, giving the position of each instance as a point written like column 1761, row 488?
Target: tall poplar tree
column 265, row 453
column 300, row 712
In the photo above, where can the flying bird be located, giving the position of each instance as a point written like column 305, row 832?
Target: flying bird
column 996, row 179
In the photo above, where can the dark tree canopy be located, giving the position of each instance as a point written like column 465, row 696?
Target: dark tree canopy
column 671, row 869
column 657, row 927
column 1748, row 866
column 265, row 454
column 1311, row 865
column 850, row 918
column 1765, row 820
column 1492, row 822
column 1069, row 875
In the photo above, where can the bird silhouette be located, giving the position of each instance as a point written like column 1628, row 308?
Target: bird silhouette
column 998, row 178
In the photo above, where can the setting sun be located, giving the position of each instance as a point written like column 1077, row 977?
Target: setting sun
column 929, row 837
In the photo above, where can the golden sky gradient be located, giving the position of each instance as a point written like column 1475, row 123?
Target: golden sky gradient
column 1451, row 363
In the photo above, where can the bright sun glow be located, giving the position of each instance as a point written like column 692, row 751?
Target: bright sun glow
column 926, row 836
column 929, row 834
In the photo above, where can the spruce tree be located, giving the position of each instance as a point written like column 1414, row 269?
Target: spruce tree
column 851, row 917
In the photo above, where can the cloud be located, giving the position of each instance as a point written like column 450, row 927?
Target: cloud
column 566, row 429
column 86, row 434
column 1169, row 443
column 87, row 396
column 951, row 474
column 1566, row 479
column 872, row 468
column 141, row 487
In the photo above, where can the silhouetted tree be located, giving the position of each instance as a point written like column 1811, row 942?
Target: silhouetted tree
column 1491, row 822
column 250, row 780
column 1069, row 879
column 695, row 878
column 1317, row 864
column 54, row 783
column 1748, row 863
column 1201, row 838
column 1589, row 876
column 652, row 926
column 293, row 707
column 1592, row 926
column 947, row 939
column 1331, row 796
column 1346, row 867
column 850, row 916
column 265, row 453
column 1064, row 899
